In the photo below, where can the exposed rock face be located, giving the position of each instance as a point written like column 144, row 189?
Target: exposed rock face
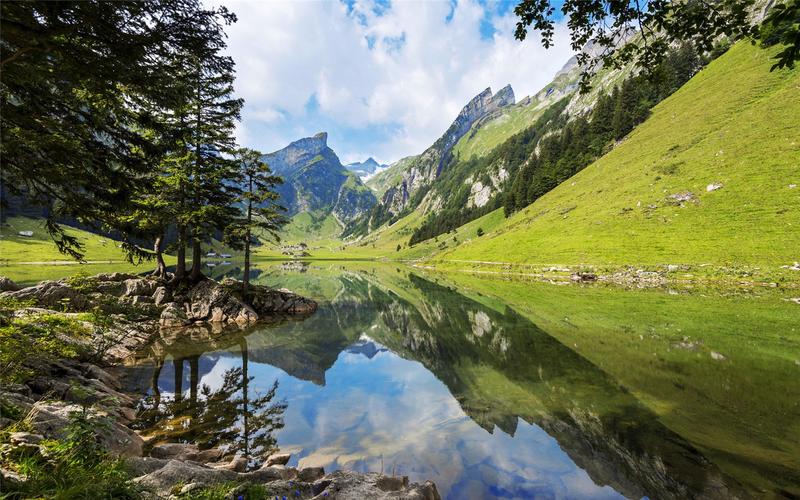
column 210, row 301
column 50, row 419
column 162, row 475
column 315, row 180
column 425, row 168
column 52, row 294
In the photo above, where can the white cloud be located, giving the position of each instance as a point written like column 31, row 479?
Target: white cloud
column 409, row 70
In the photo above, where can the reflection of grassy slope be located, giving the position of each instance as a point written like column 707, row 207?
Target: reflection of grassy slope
column 747, row 405
column 734, row 123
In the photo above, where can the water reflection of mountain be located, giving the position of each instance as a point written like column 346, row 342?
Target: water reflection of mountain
column 501, row 368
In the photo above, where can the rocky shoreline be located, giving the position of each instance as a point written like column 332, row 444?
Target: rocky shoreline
column 39, row 409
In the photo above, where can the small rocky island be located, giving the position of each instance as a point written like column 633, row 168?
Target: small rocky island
column 63, row 392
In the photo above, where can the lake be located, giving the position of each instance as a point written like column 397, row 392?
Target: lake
column 495, row 388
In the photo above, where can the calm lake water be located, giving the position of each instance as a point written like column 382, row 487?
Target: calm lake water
column 498, row 389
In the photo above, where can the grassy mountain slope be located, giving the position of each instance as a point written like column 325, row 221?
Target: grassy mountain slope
column 22, row 258
column 734, row 123
column 383, row 180
column 383, row 242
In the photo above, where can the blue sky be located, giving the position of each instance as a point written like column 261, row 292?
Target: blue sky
column 384, row 79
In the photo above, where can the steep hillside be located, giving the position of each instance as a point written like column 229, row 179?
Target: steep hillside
column 710, row 177
column 390, row 176
column 412, row 178
column 316, row 181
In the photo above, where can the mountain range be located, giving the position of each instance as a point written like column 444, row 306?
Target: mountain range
column 633, row 197
column 316, row 181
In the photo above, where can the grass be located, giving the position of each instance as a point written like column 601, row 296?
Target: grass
column 487, row 136
column 27, row 260
column 40, row 248
column 734, row 123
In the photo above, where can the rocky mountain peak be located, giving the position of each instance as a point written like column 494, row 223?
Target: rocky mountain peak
column 312, row 145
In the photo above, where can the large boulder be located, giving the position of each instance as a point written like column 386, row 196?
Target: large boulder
column 139, row 286
column 177, row 472
column 52, row 294
column 210, row 301
column 161, row 296
column 6, row 285
column 50, row 419
column 173, row 315
column 268, row 301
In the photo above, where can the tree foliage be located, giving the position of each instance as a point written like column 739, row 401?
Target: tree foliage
column 82, row 87
column 260, row 211
column 599, row 29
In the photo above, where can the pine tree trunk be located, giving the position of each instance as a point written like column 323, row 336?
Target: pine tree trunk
column 197, row 261
column 180, row 267
column 246, row 280
column 245, row 400
column 178, row 366
column 161, row 269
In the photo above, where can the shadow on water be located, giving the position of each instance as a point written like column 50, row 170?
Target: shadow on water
column 508, row 376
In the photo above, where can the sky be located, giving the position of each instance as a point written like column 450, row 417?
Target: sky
column 384, row 79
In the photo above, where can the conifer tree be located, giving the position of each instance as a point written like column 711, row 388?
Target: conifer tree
column 258, row 201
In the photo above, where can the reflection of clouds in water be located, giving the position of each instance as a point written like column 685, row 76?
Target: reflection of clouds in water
column 396, row 409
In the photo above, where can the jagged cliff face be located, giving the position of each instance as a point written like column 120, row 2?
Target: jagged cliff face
column 425, row 168
column 315, row 180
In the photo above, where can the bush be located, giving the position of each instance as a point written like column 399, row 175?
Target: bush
column 26, row 341
column 75, row 467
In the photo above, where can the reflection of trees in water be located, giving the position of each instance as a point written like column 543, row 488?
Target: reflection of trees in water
column 228, row 417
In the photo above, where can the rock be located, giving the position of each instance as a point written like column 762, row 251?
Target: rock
column 717, row 356
column 210, row 455
column 114, row 277
column 52, row 294
column 114, row 288
column 138, row 286
column 175, row 451
column 237, row 464
column 392, row 483
column 139, row 466
column 162, row 480
column 210, row 300
column 6, row 285
column 683, row 197
column 139, row 300
column 310, row 474
column 272, row 473
column 713, row 186
column 190, row 488
column 672, row 268
column 278, row 459
column 25, row 437
column 9, row 480
column 173, row 315
column 50, row 419
column 161, row 296
column 583, row 277
column 267, row 301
